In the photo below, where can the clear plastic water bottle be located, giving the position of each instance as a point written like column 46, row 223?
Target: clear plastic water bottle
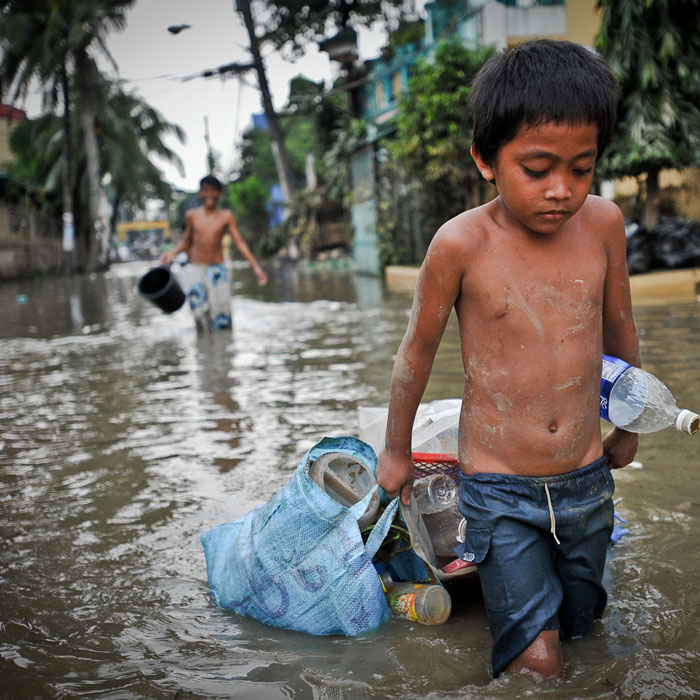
column 634, row 399
column 434, row 493
column 428, row 604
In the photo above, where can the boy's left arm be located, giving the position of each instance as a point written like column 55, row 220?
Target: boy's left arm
column 245, row 250
column 619, row 333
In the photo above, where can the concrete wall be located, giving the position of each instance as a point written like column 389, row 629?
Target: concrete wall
column 680, row 190
column 30, row 242
column 6, row 156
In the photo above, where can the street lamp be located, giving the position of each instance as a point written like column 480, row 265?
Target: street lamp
column 177, row 28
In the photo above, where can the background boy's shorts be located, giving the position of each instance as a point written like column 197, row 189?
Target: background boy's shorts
column 531, row 583
column 209, row 294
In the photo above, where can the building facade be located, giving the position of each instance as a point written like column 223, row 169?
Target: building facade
column 476, row 23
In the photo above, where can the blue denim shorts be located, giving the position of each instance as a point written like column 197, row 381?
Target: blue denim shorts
column 539, row 544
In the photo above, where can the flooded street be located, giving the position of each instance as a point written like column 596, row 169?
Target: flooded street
column 124, row 436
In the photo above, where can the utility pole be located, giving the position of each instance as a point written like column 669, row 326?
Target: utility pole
column 211, row 160
column 279, row 150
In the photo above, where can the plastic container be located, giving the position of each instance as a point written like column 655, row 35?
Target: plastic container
column 634, row 399
column 159, row 286
column 434, row 430
column 443, row 528
column 427, row 604
column 346, row 481
column 434, row 493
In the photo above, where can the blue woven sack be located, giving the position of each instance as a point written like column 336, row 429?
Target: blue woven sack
column 298, row 561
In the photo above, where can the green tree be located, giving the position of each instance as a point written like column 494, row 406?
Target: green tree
column 37, row 145
column 249, row 198
column 309, row 122
column 279, row 150
column 322, row 112
column 131, row 134
column 90, row 22
column 49, row 40
column 434, row 132
column 347, row 138
column 33, row 47
column 292, row 24
column 653, row 47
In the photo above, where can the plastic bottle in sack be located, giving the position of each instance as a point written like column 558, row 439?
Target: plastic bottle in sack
column 434, row 493
column 425, row 603
column 634, row 399
column 347, row 481
column 443, row 529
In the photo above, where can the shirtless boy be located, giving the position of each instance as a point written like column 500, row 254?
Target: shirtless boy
column 209, row 292
column 538, row 280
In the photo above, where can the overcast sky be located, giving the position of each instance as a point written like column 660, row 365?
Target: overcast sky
column 153, row 62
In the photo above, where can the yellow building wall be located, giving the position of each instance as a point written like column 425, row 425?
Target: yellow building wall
column 582, row 21
column 680, row 192
column 679, row 189
column 582, row 24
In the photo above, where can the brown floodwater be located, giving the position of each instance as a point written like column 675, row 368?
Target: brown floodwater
column 124, row 436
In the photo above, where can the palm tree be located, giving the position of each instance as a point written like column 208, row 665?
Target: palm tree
column 130, row 131
column 90, row 21
column 33, row 37
column 653, row 47
column 43, row 40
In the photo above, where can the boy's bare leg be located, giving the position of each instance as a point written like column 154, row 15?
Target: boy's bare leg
column 543, row 659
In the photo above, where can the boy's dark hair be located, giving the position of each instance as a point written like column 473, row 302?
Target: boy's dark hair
column 211, row 181
column 541, row 81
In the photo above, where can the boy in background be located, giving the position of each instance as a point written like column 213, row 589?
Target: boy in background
column 209, row 291
column 538, row 280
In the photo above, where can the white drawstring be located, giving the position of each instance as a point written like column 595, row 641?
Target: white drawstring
column 553, row 522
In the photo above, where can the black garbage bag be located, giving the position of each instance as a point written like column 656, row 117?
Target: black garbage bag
column 639, row 252
column 675, row 243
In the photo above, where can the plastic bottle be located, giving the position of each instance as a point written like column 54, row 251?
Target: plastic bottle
column 434, row 493
column 347, row 481
column 636, row 400
column 443, row 529
column 425, row 603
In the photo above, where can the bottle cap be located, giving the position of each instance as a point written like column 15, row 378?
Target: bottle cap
column 688, row 422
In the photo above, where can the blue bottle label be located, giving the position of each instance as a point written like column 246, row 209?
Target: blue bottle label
column 613, row 368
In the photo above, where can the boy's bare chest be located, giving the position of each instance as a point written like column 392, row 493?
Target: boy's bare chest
column 541, row 287
column 208, row 228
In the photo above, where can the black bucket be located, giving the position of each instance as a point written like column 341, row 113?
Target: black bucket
column 160, row 286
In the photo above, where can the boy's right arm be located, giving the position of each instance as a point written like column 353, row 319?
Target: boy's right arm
column 184, row 244
column 437, row 289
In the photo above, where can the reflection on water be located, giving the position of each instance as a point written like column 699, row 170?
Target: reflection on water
column 125, row 436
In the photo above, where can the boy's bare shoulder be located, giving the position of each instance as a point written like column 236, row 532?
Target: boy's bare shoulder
column 462, row 232
column 602, row 212
column 193, row 213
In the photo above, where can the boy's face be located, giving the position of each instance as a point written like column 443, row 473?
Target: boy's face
column 544, row 174
column 209, row 196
